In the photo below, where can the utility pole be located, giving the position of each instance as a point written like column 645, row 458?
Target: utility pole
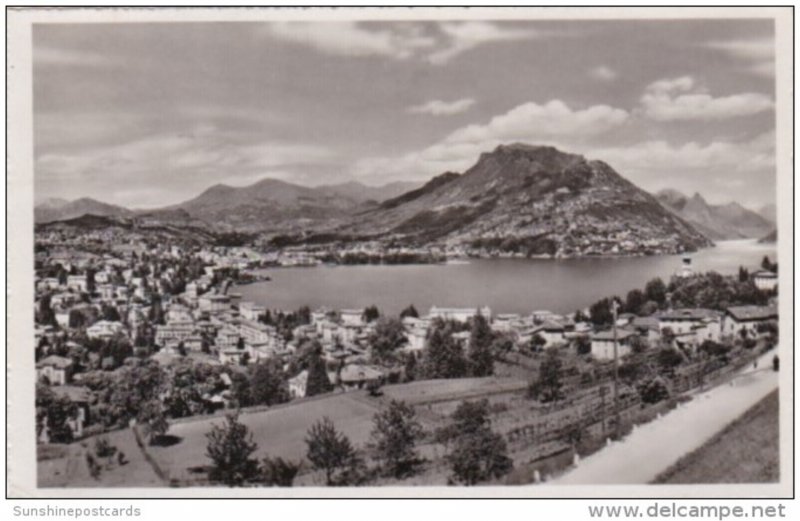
column 614, row 309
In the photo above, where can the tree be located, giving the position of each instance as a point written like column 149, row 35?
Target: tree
column 389, row 335
column 583, row 345
column 600, row 312
column 744, row 275
column 45, row 314
column 478, row 453
column 230, row 447
column 278, row 472
column 669, row 358
column 332, row 452
column 479, row 353
column 537, row 343
column 410, row 311
column 54, row 413
column 154, row 420
column 767, row 265
column 394, row 435
column 634, row 301
column 268, row 384
column 547, row 387
column 240, row 344
column 156, row 312
column 318, row 381
column 443, row 357
column 654, row 391
column 580, row 316
column 656, row 291
column 371, row 314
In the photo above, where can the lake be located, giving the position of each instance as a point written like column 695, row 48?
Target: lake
column 505, row 285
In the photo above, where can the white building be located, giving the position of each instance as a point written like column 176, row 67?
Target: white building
column 251, row 310
column 603, row 344
column 748, row 318
column 104, row 329
column 765, row 280
column 459, row 314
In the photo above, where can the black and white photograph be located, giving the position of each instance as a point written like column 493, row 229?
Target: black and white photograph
column 281, row 252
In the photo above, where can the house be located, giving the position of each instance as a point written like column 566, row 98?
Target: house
column 297, row 385
column 748, row 318
column 359, row 376
column 552, row 332
column 231, row 356
column 214, row 302
column 173, row 333
column 77, row 283
column 251, row 310
column 352, row 317
column 765, row 280
column 703, row 324
column 603, row 344
column 81, row 397
column 104, row 329
column 459, row 314
column 57, row 370
column 505, row 322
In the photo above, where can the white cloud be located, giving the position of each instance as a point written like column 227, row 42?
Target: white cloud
column 679, row 99
column 442, row 108
column 398, row 41
column 551, row 123
column 204, row 154
column 602, row 73
column 653, row 160
column 758, row 54
column 353, row 39
column 463, row 36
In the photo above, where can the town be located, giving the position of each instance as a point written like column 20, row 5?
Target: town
column 143, row 329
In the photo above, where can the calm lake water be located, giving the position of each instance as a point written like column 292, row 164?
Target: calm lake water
column 506, row 285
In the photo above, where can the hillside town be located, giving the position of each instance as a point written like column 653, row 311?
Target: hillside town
column 120, row 315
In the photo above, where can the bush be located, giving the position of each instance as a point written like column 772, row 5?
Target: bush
column 278, row 472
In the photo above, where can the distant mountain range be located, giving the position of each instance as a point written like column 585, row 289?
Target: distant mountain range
column 717, row 222
column 515, row 199
column 269, row 203
column 55, row 209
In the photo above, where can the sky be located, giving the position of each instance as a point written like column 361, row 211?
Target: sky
column 150, row 114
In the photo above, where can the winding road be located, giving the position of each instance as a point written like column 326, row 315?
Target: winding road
column 652, row 448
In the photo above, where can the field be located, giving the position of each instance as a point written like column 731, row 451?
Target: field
column 746, row 451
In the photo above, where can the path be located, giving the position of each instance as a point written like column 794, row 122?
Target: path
column 652, row 448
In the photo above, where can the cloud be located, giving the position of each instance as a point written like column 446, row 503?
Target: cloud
column 463, row 36
column 551, row 123
column 602, row 73
column 657, row 161
column 758, row 54
column 400, row 41
column 69, row 58
column 664, row 100
column 197, row 158
column 442, row 108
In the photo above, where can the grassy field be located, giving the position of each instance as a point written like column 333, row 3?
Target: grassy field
column 278, row 431
column 746, row 451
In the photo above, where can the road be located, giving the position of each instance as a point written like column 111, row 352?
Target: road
column 652, row 448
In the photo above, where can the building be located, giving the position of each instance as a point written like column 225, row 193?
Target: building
column 251, row 310
column 748, row 318
column 685, row 270
column 77, row 283
column 765, row 280
column 459, row 314
column 173, row 333
column 603, row 344
column 57, row 370
column 214, row 302
column 104, row 329
column 552, row 332
column 81, row 397
column 702, row 324
column 359, row 376
column 297, row 385
column 352, row 317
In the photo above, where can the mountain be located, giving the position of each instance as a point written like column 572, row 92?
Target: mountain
column 51, row 210
column 771, row 237
column 717, row 222
column 363, row 193
column 769, row 212
column 528, row 200
column 269, row 204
